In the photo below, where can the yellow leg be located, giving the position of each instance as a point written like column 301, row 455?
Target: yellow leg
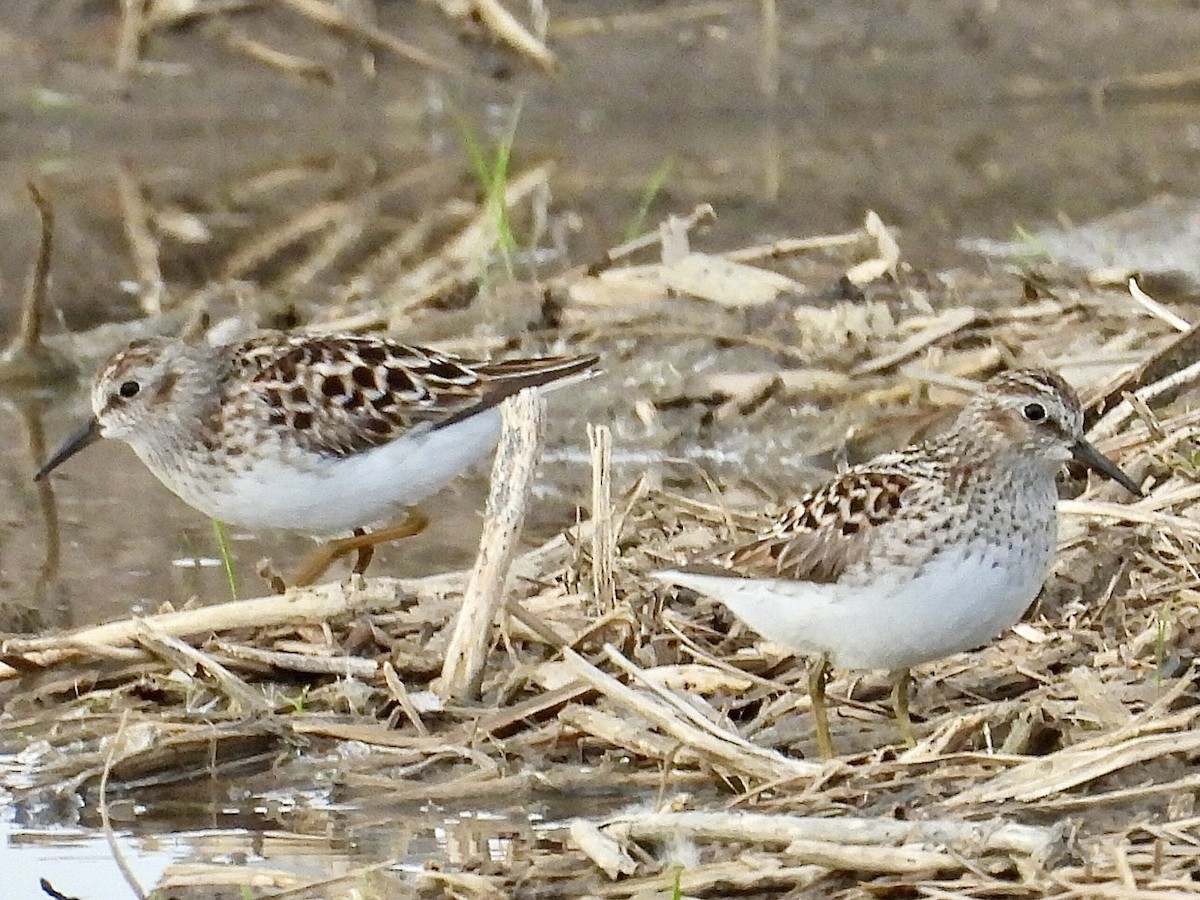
column 902, row 680
column 363, row 543
column 818, row 674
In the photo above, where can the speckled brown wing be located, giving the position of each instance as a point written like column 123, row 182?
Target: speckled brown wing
column 828, row 530
column 343, row 394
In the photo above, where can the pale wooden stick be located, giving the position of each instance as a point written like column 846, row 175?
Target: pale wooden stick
column 1171, row 385
column 512, row 483
column 601, row 849
column 784, row 830
column 604, row 538
column 767, row 64
column 314, row 604
column 339, row 666
column 400, row 694
column 129, row 38
column 505, row 26
column 1156, row 309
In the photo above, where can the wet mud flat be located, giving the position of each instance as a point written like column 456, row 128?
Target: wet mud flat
column 606, row 737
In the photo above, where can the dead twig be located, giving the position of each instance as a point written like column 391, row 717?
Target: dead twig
column 328, row 16
column 512, row 482
column 110, row 836
column 27, row 360
column 604, row 537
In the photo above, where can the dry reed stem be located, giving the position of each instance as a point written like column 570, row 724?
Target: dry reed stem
column 604, row 537
column 638, row 21
column 307, row 663
column 702, row 212
column 186, row 658
column 511, row 485
column 1072, row 767
column 28, row 339
column 1156, row 309
column 1130, row 513
column 400, row 694
column 617, row 731
column 181, row 876
column 129, row 36
column 942, row 326
column 135, row 215
column 1186, row 785
column 721, row 748
column 1129, row 372
column 887, row 254
column 1171, row 384
column 505, row 26
column 329, row 16
column 314, row 604
column 604, row 851
column 849, row 831
column 792, row 246
column 110, row 836
column 289, row 63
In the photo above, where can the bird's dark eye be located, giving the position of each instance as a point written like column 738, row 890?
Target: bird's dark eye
column 1034, row 412
column 129, row 389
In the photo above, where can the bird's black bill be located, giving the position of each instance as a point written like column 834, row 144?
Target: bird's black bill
column 88, row 433
column 1093, row 458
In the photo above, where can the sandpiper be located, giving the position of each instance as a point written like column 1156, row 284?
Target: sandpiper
column 324, row 435
column 916, row 554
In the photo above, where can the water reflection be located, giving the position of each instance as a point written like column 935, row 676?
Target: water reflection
column 32, row 610
column 279, row 839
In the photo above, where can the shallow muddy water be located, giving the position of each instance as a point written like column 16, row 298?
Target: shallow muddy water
column 951, row 121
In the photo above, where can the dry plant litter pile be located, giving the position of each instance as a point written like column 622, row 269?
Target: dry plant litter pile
column 1054, row 762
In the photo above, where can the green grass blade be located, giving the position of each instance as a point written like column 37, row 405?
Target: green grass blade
column 490, row 168
column 226, row 556
column 651, row 190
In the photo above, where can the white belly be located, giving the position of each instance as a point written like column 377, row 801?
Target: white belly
column 959, row 601
column 333, row 496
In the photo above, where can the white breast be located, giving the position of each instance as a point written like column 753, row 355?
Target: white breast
column 961, row 599
column 328, row 496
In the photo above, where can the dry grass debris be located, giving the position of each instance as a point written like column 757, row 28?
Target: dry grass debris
column 1050, row 763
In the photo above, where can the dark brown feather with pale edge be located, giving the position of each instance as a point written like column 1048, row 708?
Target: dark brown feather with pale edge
column 826, row 531
column 343, row 394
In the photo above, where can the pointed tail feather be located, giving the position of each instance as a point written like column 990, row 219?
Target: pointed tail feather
column 504, row 378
